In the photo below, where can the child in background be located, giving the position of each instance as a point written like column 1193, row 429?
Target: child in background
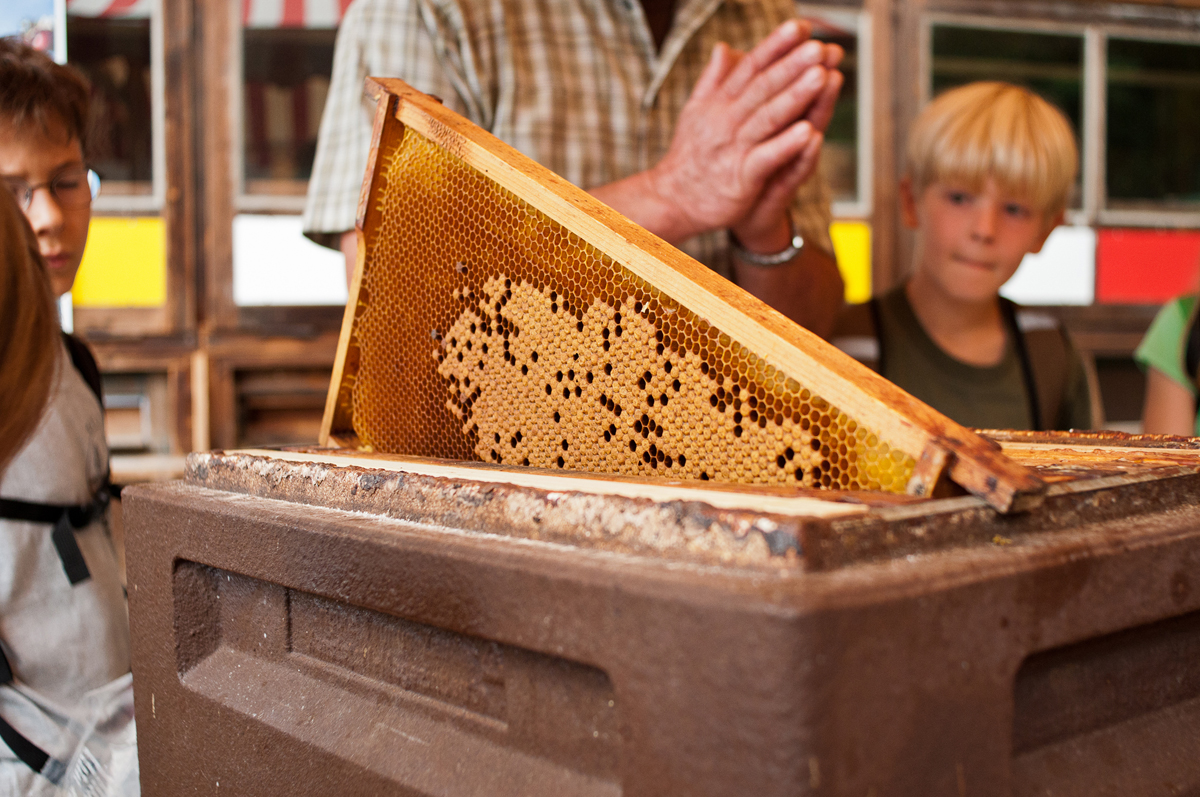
column 43, row 123
column 1170, row 355
column 64, row 633
column 988, row 173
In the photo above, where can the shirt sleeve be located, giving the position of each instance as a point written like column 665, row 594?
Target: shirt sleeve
column 377, row 38
column 1162, row 348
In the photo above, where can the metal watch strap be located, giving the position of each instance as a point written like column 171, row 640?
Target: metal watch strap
column 775, row 259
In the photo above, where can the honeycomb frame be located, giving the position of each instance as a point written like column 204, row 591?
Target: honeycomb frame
column 483, row 278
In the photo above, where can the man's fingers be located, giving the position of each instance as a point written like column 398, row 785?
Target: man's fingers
column 833, row 56
column 719, row 64
column 764, row 160
column 778, row 77
column 821, row 112
column 806, row 164
column 782, row 41
column 792, row 103
column 782, row 187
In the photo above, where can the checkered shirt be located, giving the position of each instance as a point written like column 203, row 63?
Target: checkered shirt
column 576, row 85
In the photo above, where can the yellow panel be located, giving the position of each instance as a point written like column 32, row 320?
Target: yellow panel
column 852, row 243
column 124, row 265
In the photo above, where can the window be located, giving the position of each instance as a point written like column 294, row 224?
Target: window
column 121, row 287
column 286, row 64
column 846, row 154
column 1153, row 124
column 286, row 61
column 115, row 54
column 1134, row 98
column 116, row 45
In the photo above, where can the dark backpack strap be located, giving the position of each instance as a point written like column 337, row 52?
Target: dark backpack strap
column 1009, row 311
column 877, row 325
column 65, row 520
column 856, row 332
column 85, row 364
column 1046, row 363
column 29, row 753
column 1191, row 349
column 1191, row 343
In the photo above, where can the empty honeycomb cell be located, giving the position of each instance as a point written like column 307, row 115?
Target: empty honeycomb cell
column 485, row 330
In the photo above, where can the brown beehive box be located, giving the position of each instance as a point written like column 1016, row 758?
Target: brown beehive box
column 410, row 613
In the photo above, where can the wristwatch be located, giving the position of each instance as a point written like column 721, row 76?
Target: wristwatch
column 771, row 260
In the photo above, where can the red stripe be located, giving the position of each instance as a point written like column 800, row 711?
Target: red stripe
column 117, row 7
column 293, row 14
column 247, row 5
column 342, row 6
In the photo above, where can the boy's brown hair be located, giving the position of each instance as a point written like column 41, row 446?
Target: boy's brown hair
column 37, row 93
column 999, row 130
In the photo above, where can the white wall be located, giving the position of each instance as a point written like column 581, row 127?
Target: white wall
column 1064, row 272
column 274, row 264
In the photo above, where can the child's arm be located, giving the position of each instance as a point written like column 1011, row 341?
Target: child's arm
column 1170, row 407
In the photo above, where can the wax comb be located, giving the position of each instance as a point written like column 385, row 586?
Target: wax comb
column 499, row 313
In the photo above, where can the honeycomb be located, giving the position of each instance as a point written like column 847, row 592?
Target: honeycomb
column 486, row 330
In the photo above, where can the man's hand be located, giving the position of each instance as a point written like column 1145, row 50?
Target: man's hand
column 747, row 138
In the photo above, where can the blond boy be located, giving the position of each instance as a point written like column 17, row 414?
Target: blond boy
column 988, row 172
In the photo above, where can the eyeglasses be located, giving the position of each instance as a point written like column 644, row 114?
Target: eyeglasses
column 74, row 188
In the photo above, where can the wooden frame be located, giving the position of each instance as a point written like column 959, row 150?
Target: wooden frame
column 219, row 141
column 906, row 423
column 228, row 354
column 174, row 191
column 160, row 356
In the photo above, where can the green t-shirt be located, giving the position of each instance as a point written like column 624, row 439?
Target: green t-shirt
column 990, row 397
column 1162, row 348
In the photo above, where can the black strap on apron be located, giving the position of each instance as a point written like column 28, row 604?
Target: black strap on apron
column 65, row 519
column 29, row 753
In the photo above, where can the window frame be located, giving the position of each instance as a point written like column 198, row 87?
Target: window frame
column 122, row 204
column 244, row 201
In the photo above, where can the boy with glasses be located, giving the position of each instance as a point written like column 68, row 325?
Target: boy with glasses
column 43, row 124
column 43, row 118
